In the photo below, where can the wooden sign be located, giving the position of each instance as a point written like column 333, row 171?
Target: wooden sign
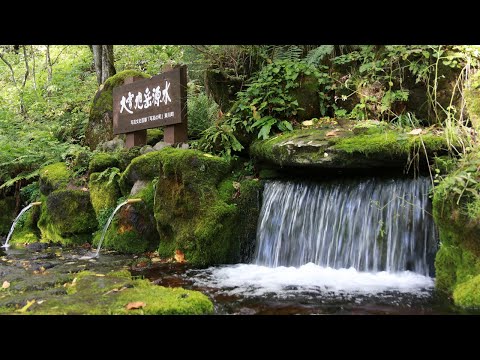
column 149, row 103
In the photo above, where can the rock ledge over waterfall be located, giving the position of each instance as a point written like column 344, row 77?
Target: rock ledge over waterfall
column 351, row 145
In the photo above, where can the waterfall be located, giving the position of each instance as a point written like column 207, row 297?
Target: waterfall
column 371, row 225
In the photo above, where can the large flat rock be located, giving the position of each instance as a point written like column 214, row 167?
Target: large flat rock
column 356, row 145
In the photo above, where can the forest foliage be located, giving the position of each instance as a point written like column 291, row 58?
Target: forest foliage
column 235, row 92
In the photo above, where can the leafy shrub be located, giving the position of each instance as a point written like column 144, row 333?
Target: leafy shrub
column 202, row 113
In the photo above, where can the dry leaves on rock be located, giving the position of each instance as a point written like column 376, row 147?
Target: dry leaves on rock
column 179, row 256
column 135, row 305
column 5, row 285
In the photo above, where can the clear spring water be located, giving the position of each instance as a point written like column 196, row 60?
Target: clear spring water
column 356, row 237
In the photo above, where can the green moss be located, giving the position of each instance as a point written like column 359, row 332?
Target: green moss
column 458, row 219
column 388, row 143
column 54, row 177
column 67, row 216
column 104, row 191
column 102, row 161
column 467, row 294
column 200, row 212
column 125, row 156
column 154, row 136
column 194, row 166
column 342, row 148
column 471, row 94
column 111, row 293
column 100, row 123
column 7, row 214
column 133, row 229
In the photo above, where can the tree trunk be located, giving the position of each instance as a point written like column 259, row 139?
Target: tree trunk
column 10, row 67
column 108, row 69
column 48, row 64
column 97, row 59
column 34, row 78
column 104, row 62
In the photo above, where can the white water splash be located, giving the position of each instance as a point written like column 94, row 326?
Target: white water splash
column 256, row 280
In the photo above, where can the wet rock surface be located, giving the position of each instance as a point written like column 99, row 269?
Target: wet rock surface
column 53, row 280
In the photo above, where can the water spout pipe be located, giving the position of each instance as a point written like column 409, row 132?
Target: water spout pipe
column 130, row 201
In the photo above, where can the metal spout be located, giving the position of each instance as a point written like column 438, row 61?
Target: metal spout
column 129, row 201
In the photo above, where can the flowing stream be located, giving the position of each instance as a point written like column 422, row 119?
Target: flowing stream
column 348, row 239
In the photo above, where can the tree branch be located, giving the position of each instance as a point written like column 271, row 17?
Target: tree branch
column 10, row 67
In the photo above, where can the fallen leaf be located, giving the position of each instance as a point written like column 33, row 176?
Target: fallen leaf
column 135, row 305
column 25, row 308
column 5, row 285
column 100, row 275
column 40, row 302
column 415, row 132
column 156, row 260
column 84, row 189
column 236, row 185
column 179, row 256
column 307, row 123
column 331, row 133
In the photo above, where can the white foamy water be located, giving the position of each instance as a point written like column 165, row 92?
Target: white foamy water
column 256, row 280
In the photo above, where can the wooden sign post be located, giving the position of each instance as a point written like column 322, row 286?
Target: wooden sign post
column 141, row 104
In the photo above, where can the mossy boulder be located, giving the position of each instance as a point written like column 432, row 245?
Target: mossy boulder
column 100, row 122
column 102, row 161
column 348, row 147
column 467, row 294
column 457, row 215
column 200, row 209
column 7, row 214
column 472, row 99
column 104, row 190
column 125, row 156
column 54, row 177
column 143, row 167
column 92, row 294
column 67, row 217
column 133, row 229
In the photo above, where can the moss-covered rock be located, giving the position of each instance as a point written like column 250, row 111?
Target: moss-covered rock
column 143, row 167
column 133, row 228
column 125, row 156
column 104, row 190
column 67, row 216
column 472, row 99
column 341, row 148
column 102, row 161
column 7, row 214
column 109, row 294
column 456, row 211
column 100, row 123
column 467, row 294
column 200, row 209
column 54, row 177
